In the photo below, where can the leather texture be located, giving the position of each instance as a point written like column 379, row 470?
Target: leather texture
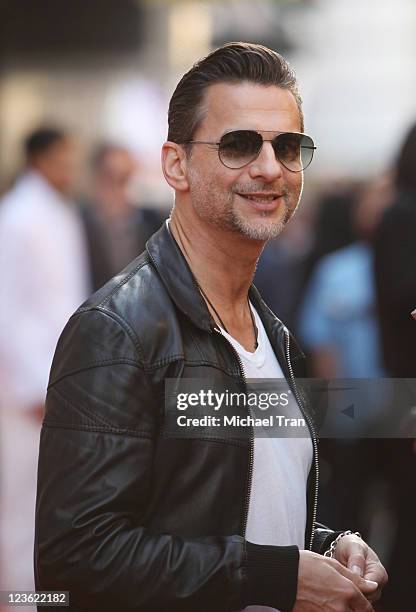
column 126, row 518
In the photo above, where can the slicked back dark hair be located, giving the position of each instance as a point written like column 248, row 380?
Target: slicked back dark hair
column 234, row 62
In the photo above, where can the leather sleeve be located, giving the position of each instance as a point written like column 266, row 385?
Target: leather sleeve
column 94, row 478
column 323, row 538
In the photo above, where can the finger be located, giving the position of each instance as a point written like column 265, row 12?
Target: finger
column 365, row 586
column 377, row 573
column 353, row 598
column 360, row 604
column 356, row 562
column 353, row 555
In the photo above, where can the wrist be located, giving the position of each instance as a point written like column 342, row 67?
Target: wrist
column 331, row 550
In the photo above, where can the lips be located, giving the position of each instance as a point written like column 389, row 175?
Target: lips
column 261, row 201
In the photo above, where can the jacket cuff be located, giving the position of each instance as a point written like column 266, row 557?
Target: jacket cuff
column 272, row 576
column 323, row 539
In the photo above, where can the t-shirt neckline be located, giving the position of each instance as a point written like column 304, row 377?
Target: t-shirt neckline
column 258, row 357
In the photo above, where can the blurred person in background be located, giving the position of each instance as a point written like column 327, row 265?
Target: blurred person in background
column 337, row 318
column 117, row 229
column 395, row 268
column 287, row 263
column 395, row 274
column 44, row 276
column 281, row 269
column 333, row 226
column 339, row 329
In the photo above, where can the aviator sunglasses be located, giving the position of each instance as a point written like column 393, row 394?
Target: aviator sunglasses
column 238, row 148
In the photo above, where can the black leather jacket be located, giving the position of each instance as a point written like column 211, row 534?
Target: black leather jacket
column 127, row 519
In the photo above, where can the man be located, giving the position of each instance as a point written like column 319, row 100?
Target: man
column 129, row 518
column 117, row 230
column 44, row 274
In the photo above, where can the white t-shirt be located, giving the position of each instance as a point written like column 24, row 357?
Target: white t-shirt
column 277, row 508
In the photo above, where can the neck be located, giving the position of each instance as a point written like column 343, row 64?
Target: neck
column 223, row 262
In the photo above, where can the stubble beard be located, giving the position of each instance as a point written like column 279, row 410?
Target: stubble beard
column 230, row 217
column 262, row 228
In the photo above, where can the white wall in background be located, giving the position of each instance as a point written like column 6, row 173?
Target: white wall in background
column 357, row 69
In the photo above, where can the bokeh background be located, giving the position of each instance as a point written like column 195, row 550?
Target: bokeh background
column 107, row 68
column 103, row 71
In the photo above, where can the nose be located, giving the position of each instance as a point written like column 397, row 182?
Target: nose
column 266, row 166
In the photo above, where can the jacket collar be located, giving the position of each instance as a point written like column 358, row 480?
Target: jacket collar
column 178, row 278
column 181, row 285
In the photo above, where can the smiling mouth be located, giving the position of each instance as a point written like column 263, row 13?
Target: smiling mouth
column 262, row 201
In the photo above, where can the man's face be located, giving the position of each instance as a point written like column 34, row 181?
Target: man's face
column 257, row 200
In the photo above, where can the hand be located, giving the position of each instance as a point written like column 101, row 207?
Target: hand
column 356, row 555
column 325, row 584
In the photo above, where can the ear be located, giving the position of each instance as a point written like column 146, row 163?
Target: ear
column 174, row 166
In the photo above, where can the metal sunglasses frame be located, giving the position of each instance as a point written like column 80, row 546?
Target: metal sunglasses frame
column 218, row 144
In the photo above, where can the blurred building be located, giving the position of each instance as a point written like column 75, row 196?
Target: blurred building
column 106, row 68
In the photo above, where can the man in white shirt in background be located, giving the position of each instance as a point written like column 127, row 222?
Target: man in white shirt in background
column 44, row 276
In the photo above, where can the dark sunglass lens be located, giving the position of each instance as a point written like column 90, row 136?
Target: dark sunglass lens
column 307, row 149
column 294, row 151
column 287, row 148
column 239, row 148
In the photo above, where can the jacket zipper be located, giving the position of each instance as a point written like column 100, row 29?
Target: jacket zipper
column 251, row 454
column 313, row 436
